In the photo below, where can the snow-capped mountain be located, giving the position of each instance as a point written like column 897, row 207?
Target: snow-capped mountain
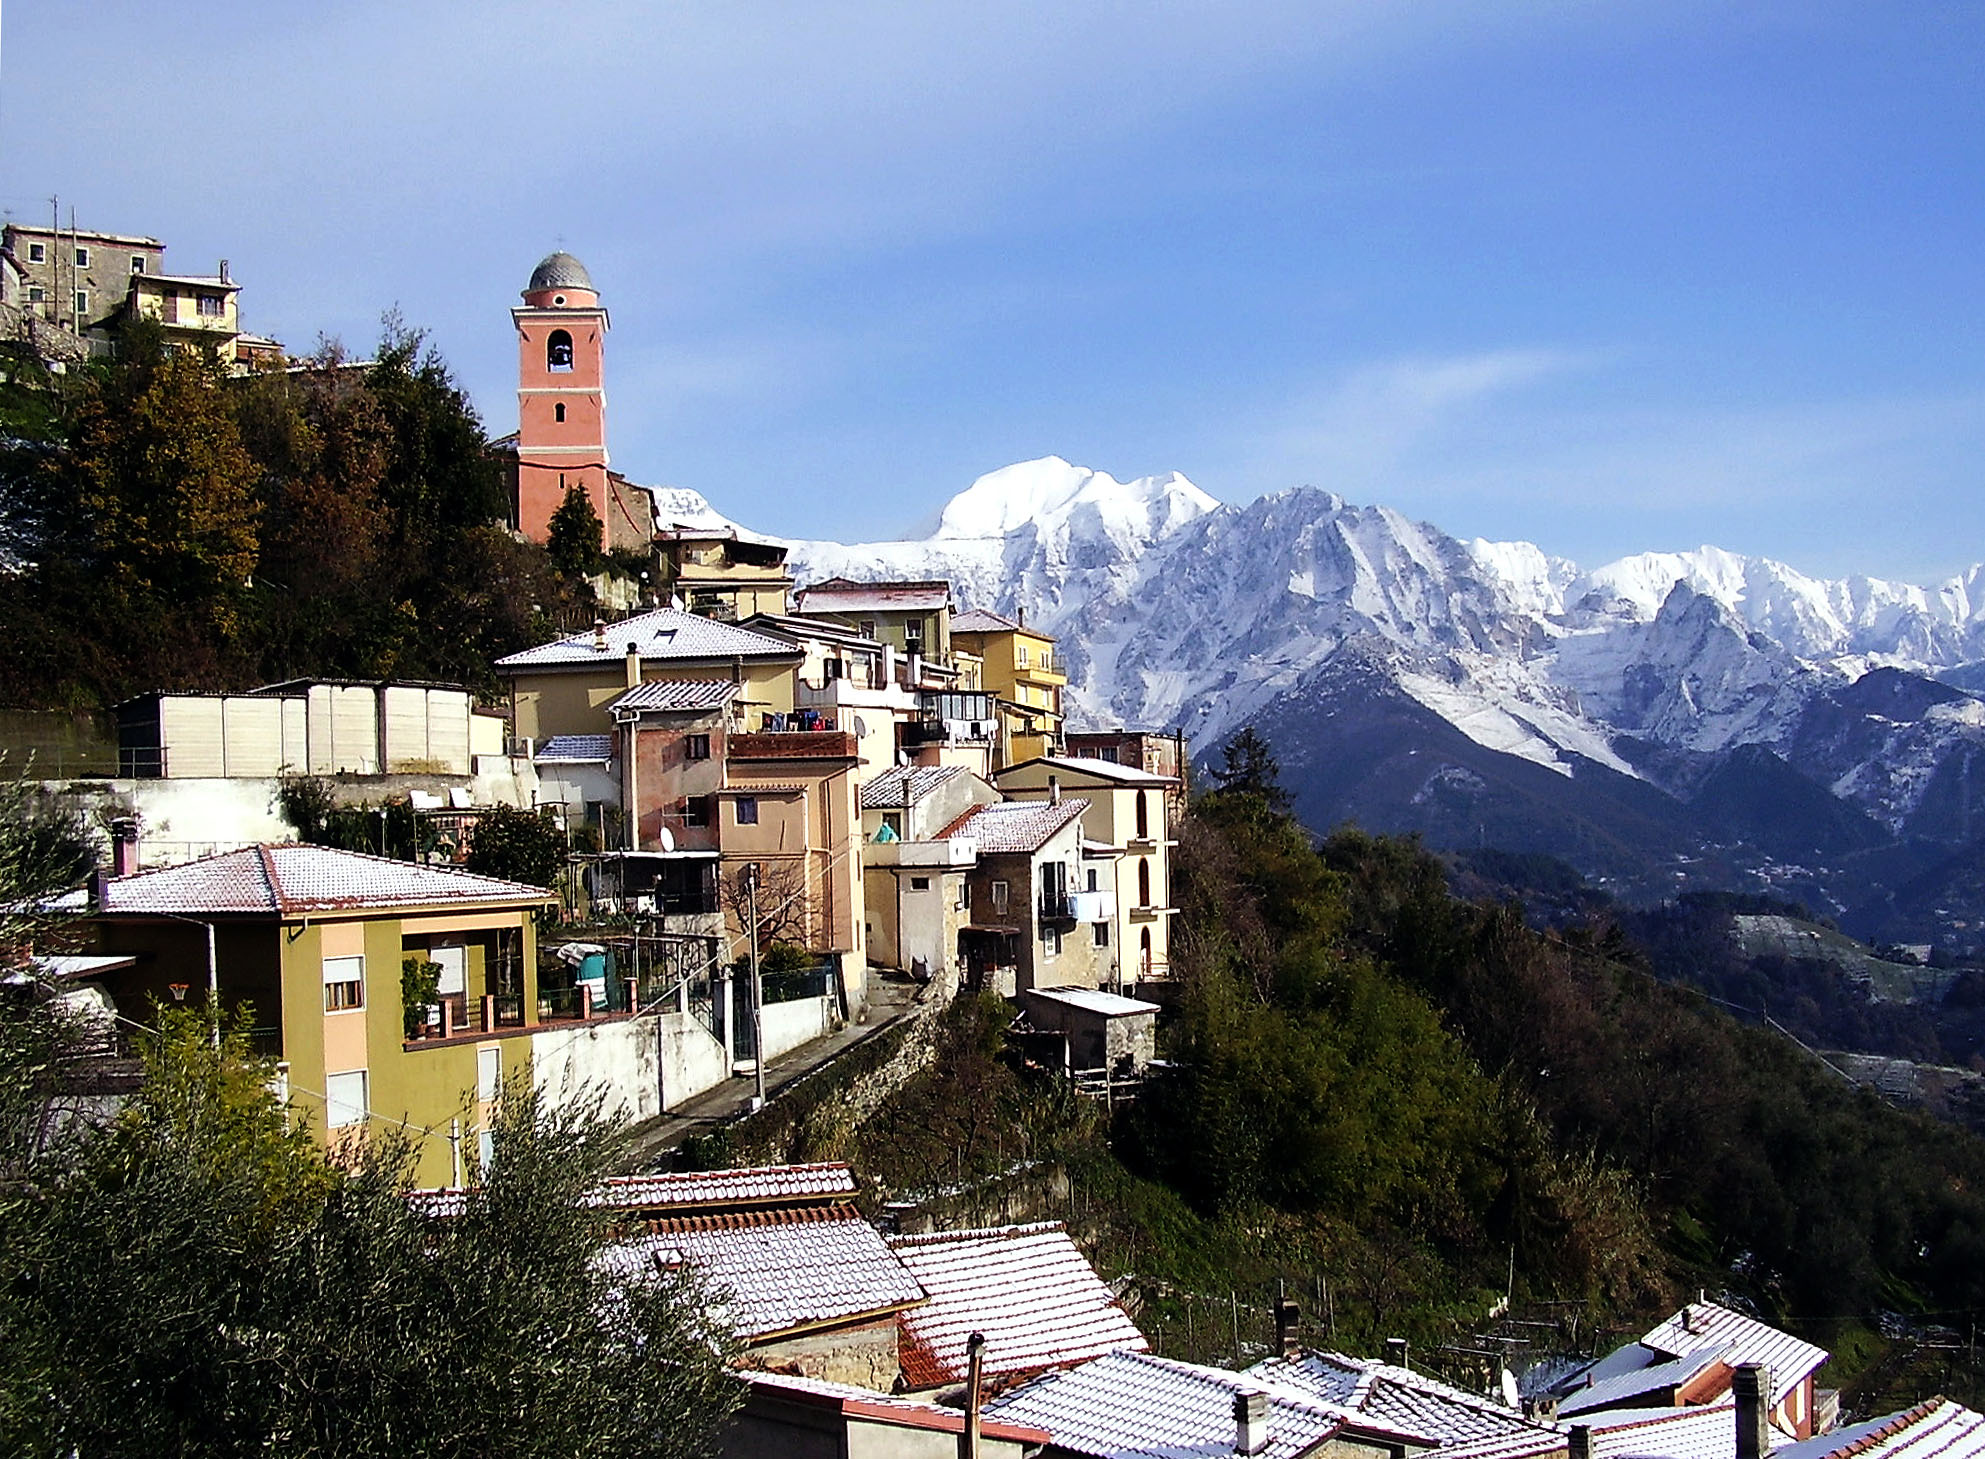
column 1175, row 609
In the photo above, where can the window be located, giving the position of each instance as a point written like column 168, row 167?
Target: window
column 1020, row 654
column 489, row 1074
column 1143, row 817
column 868, row 628
column 1106, row 753
column 210, row 306
column 999, row 895
column 919, row 883
column 833, row 669
column 696, row 747
column 82, row 258
column 747, row 810
column 1144, row 951
column 696, row 810
column 37, row 253
column 453, row 960
column 1143, row 883
column 558, row 352
column 137, row 263
column 344, row 1099
column 913, row 635
column 1101, row 933
column 558, row 412
column 1090, row 884
column 1050, row 944
column 37, row 294
column 344, row 984
column 82, row 302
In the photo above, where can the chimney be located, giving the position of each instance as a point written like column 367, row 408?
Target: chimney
column 975, row 1349
column 1395, row 1351
column 1752, row 1386
column 123, row 846
column 1250, row 1422
column 1286, row 1340
column 224, row 278
column 599, row 635
column 633, row 664
column 1578, row 1444
column 1054, row 789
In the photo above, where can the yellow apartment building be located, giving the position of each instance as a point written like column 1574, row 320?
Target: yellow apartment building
column 1020, row 666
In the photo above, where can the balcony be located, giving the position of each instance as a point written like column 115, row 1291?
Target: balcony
column 456, row 1015
column 1057, row 907
column 1093, row 906
column 793, row 744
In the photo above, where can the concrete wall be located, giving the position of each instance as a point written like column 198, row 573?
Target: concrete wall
column 620, row 1061
column 800, row 1021
column 692, row 1061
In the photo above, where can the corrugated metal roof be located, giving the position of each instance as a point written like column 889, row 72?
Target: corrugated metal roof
column 1620, row 1389
column 297, row 878
column 674, row 694
column 661, row 635
column 1027, row 1288
column 780, row 1272
column 902, row 786
column 1397, row 1398
column 1934, row 1429
column 1138, row 1404
column 1015, row 826
column 575, row 750
column 1703, row 1324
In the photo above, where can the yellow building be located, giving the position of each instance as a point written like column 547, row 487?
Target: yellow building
column 1019, row 666
column 309, row 942
column 564, row 687
column 192, row 312
column 718, row 574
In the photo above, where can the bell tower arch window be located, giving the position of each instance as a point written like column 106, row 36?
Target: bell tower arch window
column 558, row 351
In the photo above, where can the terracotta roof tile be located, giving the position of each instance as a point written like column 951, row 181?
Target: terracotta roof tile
column 1015, row 826
column 1027, row 1288
column 662, row 635
column 289, row 878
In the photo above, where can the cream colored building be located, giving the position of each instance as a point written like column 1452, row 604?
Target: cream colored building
column 1126, row 853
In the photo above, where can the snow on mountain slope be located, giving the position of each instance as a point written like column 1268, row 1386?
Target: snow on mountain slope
column 1174, row 609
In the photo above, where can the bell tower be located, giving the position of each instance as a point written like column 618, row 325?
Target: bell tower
column 561, row 394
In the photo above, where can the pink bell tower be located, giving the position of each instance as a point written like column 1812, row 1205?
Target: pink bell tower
column 561, row 394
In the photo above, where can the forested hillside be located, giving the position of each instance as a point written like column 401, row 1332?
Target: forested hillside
column 170, row 527
column 1409, row 1106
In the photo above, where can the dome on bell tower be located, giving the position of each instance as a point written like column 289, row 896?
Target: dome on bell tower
column 560, row 271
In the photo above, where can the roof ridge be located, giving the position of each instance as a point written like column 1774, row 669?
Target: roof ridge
column 277, row 896
column 935, row 1238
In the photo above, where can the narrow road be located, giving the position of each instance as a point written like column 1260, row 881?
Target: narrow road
column 892, row 998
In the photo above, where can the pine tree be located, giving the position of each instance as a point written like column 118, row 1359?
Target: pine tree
column 574, row 539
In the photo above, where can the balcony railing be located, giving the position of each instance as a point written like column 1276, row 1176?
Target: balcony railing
column 1057, row 907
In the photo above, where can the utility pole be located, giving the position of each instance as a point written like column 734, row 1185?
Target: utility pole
column 757, row 990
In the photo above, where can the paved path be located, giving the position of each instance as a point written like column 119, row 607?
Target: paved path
column 891, row 999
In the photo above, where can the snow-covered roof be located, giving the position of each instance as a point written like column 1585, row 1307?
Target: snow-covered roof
column 78, row 965
column 1094, row 1000
column 1396, row 1398
column 866, row 1403
column 1127, row 1405
column 1014, row 827
column 1936, row 1428
column 757, row 1184
column 902, row 786
column 292, row 878
column 674, row 695
column 1027, row 1288
column 844, row 595
column 1617, row 1390
column 1698, row 1431
column 776, row 1272
column 663, row 635
column 981, row 620
column 575, row 750
column 1706, row 1324
column 1100, row 769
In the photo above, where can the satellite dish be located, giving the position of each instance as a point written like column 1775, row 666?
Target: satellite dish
column 667, row 838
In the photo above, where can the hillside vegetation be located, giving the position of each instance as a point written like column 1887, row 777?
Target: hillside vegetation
column 1408, row 1107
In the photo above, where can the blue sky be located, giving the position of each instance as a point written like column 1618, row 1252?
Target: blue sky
column 1606, row 276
